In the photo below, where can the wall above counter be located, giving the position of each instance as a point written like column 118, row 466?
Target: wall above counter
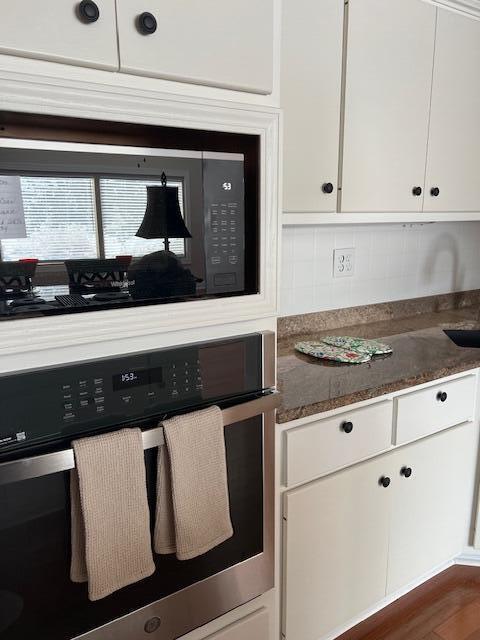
column 390, row 123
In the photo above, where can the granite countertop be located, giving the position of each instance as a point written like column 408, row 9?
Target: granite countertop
column 421, row 353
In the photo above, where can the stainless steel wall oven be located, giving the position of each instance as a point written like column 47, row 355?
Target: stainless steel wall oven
column 97, row 215
column 44, row 409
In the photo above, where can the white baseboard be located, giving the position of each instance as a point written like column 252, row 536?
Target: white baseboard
column 471, row 559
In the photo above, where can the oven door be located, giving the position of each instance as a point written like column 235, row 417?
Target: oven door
column 37, row 597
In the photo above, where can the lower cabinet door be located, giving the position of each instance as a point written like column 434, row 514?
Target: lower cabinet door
column 335, row 549
column 431, row 507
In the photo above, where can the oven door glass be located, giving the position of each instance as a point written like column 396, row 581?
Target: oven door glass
column 37, row 598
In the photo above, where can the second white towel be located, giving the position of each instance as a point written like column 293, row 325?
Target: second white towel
column 192, row 511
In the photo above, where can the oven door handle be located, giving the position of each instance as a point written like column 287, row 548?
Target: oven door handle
column 58, row 461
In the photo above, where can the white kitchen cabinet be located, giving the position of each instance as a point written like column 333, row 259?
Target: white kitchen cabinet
column 454, row 141
column 217, row 43
column 387, row 100
column 349, row 541
column 430, row 509
column 335, row 549
column 53, row 30
column 311, row 71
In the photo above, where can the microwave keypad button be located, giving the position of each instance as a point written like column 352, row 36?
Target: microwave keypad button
column 68, row 406
column 69, row 416
column 126, row 399
column 100, row 400
column 82, row 394
column 67, row 396
column 66, row 387
column 100, row 409
column 98, row 381
column 84, row 403
column 98, row 391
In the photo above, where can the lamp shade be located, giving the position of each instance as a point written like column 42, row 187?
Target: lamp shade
column 163, row 218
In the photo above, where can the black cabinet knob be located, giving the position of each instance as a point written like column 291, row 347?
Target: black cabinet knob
column 406, row 472
column 88, row 11
column 417, row 191
column 434, row 191
column 347, row 427
column 146, row 23
column 442, row 396
column 327, row 187
column 384, row 481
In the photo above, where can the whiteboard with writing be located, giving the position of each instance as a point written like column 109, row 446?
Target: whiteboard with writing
column 12, row 215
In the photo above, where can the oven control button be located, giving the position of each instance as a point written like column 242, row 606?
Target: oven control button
column 127, row 399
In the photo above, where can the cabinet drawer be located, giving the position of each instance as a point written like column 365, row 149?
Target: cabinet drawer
column 254, row 627
column 323, row 446
column 421, row 413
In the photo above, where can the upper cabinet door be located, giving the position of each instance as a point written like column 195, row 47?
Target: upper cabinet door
column 387, row 102
column 453, row 166
column 213, row 42
column 61, row 30
column 311, row 72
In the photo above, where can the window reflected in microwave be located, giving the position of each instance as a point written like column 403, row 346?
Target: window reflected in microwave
column 86, row 217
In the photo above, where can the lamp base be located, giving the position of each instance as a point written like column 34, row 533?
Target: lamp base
column 160, row 275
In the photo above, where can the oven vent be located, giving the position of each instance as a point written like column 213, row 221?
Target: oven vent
column 467, row 7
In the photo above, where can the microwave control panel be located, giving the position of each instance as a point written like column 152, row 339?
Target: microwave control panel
column 224, row 205
column 66, row 402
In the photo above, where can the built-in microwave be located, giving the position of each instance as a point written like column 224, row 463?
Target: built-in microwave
column 97, row 216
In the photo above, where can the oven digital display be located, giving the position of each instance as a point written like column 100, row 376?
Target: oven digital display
column 137, row 378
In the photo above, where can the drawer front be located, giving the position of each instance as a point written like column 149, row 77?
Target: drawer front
column 323, row 446
column 424, row 412
column 254, row 627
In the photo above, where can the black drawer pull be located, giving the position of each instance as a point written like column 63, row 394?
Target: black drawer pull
column 384, row 481
column 442, row 396
column 146, row 23
column 347, row 427
column 417, row 191
column 88, row 11
column 434, row 191
column 406, row 472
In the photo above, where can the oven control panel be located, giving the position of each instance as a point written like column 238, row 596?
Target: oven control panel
column 67, row 401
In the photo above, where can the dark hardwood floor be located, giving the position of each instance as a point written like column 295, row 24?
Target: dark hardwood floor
column 444, row 608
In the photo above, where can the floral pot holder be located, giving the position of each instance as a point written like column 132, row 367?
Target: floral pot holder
column 359, row 345
column 329, row 352
column 344, row 349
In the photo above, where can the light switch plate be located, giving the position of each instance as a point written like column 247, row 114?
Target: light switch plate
column 343, row 263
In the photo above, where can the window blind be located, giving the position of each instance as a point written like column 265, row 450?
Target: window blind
column 123, row 207
column 59, row 219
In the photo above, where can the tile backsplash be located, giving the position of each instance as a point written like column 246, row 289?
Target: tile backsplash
column 392, row 262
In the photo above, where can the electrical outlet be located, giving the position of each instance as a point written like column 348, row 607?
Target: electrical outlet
column 343, row 263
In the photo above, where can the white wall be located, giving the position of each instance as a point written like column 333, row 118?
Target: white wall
column 392, row 262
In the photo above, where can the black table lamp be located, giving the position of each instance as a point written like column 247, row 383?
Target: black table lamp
column 163, row 218
column 161, row 274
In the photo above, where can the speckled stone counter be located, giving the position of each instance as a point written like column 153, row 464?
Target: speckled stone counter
column 421, row 353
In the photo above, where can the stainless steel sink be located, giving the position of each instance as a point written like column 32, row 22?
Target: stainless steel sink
column 464, row 337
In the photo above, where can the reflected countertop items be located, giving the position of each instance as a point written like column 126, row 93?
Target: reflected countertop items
column 421, row 353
